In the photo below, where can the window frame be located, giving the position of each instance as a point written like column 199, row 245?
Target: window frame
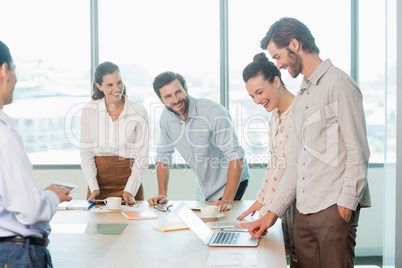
column 224, row 60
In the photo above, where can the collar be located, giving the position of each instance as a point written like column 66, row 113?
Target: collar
column 6, row 120
column 127, row 109
column 285, row 114
column 316, row 76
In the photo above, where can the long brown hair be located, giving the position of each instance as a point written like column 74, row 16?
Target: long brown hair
column 102, row 69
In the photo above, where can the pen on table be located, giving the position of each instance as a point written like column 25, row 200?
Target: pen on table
column 104, row 207
column 103, row 201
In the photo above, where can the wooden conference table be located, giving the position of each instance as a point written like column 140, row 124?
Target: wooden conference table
column 73, row 244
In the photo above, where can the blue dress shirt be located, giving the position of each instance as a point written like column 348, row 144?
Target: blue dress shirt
column 24, row 210
column 207, row 141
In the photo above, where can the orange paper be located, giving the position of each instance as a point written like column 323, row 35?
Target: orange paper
column 139, row 215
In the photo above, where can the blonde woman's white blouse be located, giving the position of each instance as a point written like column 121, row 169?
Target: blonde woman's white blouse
column 127, row 137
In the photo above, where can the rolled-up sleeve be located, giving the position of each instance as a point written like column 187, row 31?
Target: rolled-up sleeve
column 165, row 148
column 20, row 196
column 140, row 154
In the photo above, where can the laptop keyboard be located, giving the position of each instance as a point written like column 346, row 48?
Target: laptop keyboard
column 226, row 238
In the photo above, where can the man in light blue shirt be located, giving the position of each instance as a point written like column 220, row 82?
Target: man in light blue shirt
column 202, row 132
column 24, row 211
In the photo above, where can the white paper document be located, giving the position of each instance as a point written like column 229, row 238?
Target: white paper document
column 219, row 257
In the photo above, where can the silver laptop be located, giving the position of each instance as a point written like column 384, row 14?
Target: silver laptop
column 222, row 238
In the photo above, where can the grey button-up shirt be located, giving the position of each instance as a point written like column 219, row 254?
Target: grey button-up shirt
column 328, row 150
column 207, row 141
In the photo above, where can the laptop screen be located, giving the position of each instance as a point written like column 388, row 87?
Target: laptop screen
column 196, row 224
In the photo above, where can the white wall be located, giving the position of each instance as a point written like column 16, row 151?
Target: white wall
column 181, row 187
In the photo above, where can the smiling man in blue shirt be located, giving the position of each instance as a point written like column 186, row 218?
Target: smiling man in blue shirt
column 202, row 132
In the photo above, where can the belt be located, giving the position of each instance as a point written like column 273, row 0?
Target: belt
column 23, row 240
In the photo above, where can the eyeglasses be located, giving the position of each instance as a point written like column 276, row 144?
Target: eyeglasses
column 163, row 208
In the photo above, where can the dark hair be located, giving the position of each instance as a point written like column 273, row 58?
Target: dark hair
column 5, row 55
column 261, row 65
column 101, row 70
column 284, row 30
column 166, row 78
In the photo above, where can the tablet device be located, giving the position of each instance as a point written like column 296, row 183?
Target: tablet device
column 71, row 187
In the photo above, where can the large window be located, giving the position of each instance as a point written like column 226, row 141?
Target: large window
column 372, row 78
column 248, row 23
column 392, row 187
column 51, row 48
column 49, row 41
column 146, row 38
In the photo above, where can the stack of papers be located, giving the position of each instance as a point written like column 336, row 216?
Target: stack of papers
column 75, row 205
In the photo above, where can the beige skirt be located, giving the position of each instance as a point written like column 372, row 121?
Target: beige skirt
column 113, row 174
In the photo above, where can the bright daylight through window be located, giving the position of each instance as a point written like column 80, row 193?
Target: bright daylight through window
column 52, row 54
